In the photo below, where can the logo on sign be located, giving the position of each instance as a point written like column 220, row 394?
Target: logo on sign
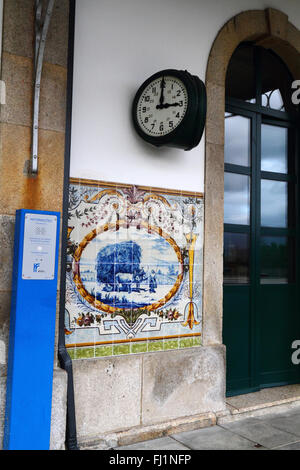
column 36, row 267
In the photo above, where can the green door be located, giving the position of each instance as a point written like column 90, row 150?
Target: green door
column 261, row 244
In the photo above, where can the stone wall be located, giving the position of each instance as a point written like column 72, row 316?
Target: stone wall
column 142, row 396
column 17, row 189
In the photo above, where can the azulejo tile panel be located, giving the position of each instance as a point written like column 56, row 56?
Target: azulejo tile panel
column 134, row 269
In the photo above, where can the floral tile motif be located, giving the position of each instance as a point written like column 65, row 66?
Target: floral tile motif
column 134, row 269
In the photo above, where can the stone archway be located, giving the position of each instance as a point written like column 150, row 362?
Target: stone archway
column 268, row 28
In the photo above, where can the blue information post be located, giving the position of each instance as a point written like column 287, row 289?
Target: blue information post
column 32, row 331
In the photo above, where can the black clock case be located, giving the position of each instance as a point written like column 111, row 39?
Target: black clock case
column 188, row 133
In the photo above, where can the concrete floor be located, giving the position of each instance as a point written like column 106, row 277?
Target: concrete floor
column 280, row 431
column 264, row 398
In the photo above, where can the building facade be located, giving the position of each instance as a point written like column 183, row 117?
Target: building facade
column 147, row 310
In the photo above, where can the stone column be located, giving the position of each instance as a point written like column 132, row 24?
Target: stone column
column 17, row 188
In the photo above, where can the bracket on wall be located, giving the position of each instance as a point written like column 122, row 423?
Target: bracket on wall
column 43, row 14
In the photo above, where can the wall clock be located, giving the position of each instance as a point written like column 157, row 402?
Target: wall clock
column 169, row 109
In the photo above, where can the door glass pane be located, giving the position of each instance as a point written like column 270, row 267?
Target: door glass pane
column 237, row 139
column 273, row 99
column 274, row 148
column 276, row 82
column 240, row 77
column 274, row 200
column 236, row 258
column 277, row 260
column 236, row 199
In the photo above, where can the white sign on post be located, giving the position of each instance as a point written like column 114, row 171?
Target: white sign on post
column 39, row 247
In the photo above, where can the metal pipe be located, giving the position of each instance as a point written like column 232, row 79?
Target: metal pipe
column 63, row 356
column 1, row 32
column 41, row 30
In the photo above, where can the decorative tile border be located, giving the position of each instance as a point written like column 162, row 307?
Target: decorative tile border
column 134, row 269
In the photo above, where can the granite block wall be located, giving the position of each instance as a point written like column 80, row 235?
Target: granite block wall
column 17, row 188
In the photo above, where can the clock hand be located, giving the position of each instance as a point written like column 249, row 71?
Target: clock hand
column 166, row 105
column 162, row 86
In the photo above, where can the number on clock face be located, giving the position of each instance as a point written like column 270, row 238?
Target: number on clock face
column 162, row 106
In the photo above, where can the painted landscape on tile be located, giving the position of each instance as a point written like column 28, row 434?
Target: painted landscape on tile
column 134, row 269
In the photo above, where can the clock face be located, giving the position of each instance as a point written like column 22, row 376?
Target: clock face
column 162, row 106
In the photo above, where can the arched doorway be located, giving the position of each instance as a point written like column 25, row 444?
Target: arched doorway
column 270, row 29
column 261, row 222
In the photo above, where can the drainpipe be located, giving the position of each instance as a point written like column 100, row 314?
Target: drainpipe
column 63, row 356
column 1, row 30
column 2, row 84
